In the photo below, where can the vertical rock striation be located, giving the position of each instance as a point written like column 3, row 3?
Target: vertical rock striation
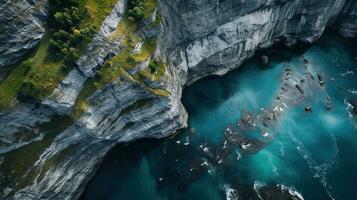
column 347, row 21
column 212, row 37
column 197, row 38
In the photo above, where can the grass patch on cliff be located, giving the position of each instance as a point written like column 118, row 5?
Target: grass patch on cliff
column 141, row 9
column 44, row 74
column 154, row 71
column 112, row 70
column 40, row 74
column 12, row 84
column 126, row 60
column 74, row 24
column 39, row 71
column 96, row 11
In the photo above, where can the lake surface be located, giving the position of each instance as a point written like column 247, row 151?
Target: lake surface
column 282, row 131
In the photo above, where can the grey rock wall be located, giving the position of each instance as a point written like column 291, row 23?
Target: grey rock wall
column 21, row 28
column 197, row 38
column 205, row 37
column 347, row 21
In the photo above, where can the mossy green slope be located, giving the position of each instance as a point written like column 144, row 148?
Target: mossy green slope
column 41, row 73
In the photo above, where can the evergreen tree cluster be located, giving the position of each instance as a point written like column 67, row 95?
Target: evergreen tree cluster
column 65, row 22
column 136, row 9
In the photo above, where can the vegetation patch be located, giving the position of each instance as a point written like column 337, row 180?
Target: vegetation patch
column 157, row 21
column 12, row 84
column 127, row 59
column 36, row 76
column 160, row 92
column 72, row 25
column 141, row 9
column 113, row 69
column 154, row 72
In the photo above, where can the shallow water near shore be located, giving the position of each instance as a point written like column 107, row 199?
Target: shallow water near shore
column 309, row 155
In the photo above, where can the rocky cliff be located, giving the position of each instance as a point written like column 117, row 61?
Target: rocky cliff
column 22, row 27
column 196, row 38
column 213, row 37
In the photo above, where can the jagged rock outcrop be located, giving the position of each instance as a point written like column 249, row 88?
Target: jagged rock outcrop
column 22, row 27
column 197, row 38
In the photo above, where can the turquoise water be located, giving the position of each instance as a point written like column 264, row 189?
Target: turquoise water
column 312, row 155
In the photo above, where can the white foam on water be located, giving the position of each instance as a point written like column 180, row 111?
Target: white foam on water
column 257, row 185
column 231, row 194
column 352, row 91
column 349, row 109
column 265, row 134
column 211, row 170
column 246, row 146
column 206, row 149
column 205, row 163
column 318, row 171
column 239, row 156
column 292, row 191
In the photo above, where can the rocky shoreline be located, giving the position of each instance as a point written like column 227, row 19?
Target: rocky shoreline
column 127, row 110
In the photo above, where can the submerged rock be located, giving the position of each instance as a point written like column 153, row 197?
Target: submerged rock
column 279, row 193
column 308, row 109
column 260, row 191
column 328, row 103
column 264, row 59
column 128, row 109
column 353, row 102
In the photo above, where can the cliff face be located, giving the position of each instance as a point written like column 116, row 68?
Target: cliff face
column 346, row 22
column 212, row 37
column 22, row 27
column 196, row 38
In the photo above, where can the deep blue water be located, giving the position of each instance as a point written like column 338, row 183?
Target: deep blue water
column 311, row 154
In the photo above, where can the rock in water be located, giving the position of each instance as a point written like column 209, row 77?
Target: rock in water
column 200, row 38
column 308, row 109
column 353, row 102
column 264, row 59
